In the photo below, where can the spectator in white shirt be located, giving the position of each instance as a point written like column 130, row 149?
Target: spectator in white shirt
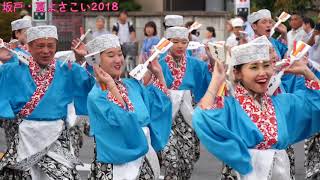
column 296, row 33
column 314, row 42
column 124, row 29
column 234, row 38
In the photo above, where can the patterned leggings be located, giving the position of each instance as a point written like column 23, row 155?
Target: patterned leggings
column 177, row 159
column 76, row 138
column 104, row 171
column 51, row 167
column 312, row 158
column 10, row 129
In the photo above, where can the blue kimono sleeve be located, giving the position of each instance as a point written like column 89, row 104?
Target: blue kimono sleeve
column 118, row 135
column 160, row 110
column 80, row 105
column 80, row 99
column 302, row 114
column 202, row 77
column 227, row 133
column 292, row 83
column 189, row 53
column 280, row 48
column 82, row 81
column 6, row 111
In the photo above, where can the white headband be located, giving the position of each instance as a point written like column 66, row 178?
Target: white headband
column 255, row 16
column 38, row 32
column 102, row 43
column 20, row 24
column 249, row 52
column 173, row 20
column 177, row 32
column 237, row 22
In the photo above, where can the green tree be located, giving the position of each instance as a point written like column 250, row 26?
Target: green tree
column 5, row 24
column 277, row 6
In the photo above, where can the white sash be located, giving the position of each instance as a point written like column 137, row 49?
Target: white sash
column 35, row 136
column 182, row 100
column 38, row 138
column 72, row 118
column 131, row 170
column 268, row 164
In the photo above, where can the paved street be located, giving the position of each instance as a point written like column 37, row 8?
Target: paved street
column 207, row 167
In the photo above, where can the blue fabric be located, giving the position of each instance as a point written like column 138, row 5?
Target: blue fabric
column 280, row 48
column 118, row 133
column 197, row 76
column 292, row 82
column 17, row 87
column 189, row 52
column 148, row 43
column 80, row 105
column 228, row 133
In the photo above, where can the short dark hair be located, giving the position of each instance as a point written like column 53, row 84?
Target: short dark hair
column 123, row 12
column 150, row 24
column 307, row 20
column 243, row 15
column 188, row 24
column 294, row 13
column 13, row 34
column 212, row 30
column 238, row 67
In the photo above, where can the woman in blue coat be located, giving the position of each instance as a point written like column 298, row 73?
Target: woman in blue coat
column 250, row 131
column 130, row 122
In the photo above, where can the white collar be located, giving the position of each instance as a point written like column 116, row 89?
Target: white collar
column 297, row 30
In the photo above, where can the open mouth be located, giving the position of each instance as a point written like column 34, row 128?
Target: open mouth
column 262, row 82
column 117, row 67
column 268, row 30
column 179, row 51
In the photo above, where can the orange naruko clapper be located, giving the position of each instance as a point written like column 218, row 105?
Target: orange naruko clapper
column 221, row 89
column 294, row 46
column 103, row 86
column 300, row 48
column 163, row 44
